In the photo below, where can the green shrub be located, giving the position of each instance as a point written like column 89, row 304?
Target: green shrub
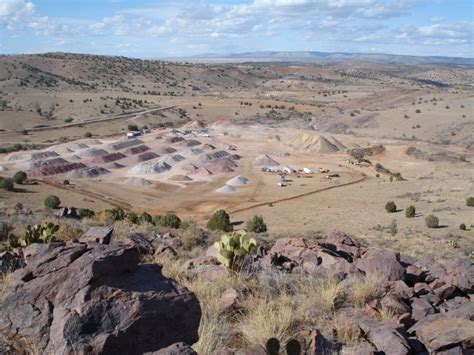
column 19, row 177
column 88, row 134
column 132, row 127
column 391, row 207
column 432, row 221
column 256, row 225
column 116, row 213
column 462, row 227
column 392, row 228
column 169, row 221
column 188, row 223
column 232, row 248
column 7, row 184
column 66, row 182
column 410, row 212
column 470, row 201
column 52, row 202
column 193, row 237
column 132, row 218
column 86, row 213
column 398, row 176
column 157, row 220
column 146, row 218
column 220, row 220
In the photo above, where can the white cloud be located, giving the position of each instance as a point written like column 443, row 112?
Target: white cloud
column 16, row 8
column 342, row 22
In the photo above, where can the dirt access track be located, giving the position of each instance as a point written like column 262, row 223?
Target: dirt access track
column 98, row 120
column 293, row 198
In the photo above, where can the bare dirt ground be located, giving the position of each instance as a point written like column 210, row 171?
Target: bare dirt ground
column 422, row 114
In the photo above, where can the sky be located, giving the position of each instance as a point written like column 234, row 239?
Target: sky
column 181, row 28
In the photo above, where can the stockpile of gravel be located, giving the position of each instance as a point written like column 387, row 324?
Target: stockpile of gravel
column 226, row 189
column 238, row 181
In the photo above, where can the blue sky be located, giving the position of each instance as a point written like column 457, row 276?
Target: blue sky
column 158, row 29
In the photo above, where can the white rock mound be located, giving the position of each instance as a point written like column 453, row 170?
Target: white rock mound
column 226, row 189
column 239, row 180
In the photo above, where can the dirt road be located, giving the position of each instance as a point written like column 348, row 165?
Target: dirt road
column 85, row 123
column 297, row 196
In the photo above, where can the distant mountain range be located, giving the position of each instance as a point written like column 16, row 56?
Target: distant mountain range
column 310, row 56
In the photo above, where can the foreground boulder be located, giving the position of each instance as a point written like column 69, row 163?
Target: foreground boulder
column 383, row 264
column 79, row 298
column 310, row 255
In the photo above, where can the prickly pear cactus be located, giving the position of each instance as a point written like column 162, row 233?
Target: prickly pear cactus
column 232, row 248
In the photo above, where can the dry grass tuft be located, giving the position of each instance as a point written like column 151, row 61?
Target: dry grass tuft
column 213, row 332
column 316, row 299
column 122, row 229
column 365, row 289
column 5, row 281
column 268, row 318
column 347, row 331
column 386, row 314
column 214, row 328
column 322, row 293
column 172, row 267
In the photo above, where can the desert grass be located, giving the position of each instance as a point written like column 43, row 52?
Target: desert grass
column 5, row 281
column 364, row 289
column 419, row 245
column 276, row 304
column 316, row 300
column 268, row 318
column 215, row 327
column 123, row 229
column 172, row 267
column 347, row 331
column 386, row 314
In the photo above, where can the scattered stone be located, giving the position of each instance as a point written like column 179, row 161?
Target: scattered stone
column 206, row 267
column 313, row 343
column 99, row 235
column 461, row 275
column 212, row 251
column 384, row 336
column 165, row 249
column 39, row 248
column 413, row 275
column 363, row 347
column 229, row 300
column 175, row 349
column 444, row 333
column 445, row 292
column 383, row 264
column 421, row 288
column 421, row 308
column 395, row 304
column 66, row 212
column 139, row 241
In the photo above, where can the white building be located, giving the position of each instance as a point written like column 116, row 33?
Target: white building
column 289, row 170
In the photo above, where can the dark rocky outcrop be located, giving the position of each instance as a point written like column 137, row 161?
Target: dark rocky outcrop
column 10, row 262
column 432, row 306
column 79, row 298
